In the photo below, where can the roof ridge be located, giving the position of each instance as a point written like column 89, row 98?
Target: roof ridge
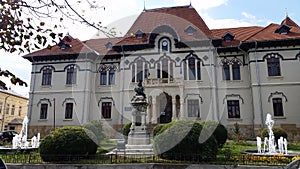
column 171, row 7
column 264, row 28
column 237, row 27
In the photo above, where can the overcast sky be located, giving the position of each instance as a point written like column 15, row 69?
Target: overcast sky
column 216, row 14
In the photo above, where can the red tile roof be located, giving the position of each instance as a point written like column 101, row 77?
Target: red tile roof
column 268, row 33
column 77, row 47
column 178, row 18
column 289, row 21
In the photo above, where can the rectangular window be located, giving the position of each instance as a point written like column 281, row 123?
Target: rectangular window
column 7, row 109
column 71, row 75
column 46, row 78
column 111, row 80
column 106, row 110
column 226, row 72
column 277, row 107
column 20, row 110
column 43, row 111
column 12, row 110
column 193, row 108
column 1, row 105
column 236, row 71
column 233, row 108
column 103, row 77
column 273, row 67
column 69, row 111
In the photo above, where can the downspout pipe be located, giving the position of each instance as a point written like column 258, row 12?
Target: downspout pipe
column 259, row 85
column 123, row 86
column 251, row 89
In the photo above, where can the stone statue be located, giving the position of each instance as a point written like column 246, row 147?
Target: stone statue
column 139, row 89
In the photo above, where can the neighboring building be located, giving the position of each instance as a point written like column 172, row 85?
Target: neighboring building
column 233, row 75
column 13, row 109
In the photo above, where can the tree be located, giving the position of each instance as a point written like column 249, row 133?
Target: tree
column 24, row 27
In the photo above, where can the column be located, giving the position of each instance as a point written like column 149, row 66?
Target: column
column 148, row 114
column 154, row 111
column 174, row 109
column 181, row 109
column 187, row 70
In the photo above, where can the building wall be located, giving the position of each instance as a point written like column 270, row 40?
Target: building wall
column 12, row 106
column 253, row 91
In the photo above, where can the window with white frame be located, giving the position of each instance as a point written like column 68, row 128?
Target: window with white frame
column 233, row 109
column 7, row 109
column 277, row 107
column 46, row 76
column 43, row 111
column 192, row 68
column 139, row 70
column 71, row 75
column 231, row 69
column 12, row 112
column 69, row 110
column 107, row 74
column 273, row 64
column 193, row 108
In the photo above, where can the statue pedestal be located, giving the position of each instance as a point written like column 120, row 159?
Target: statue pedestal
column 139, row 137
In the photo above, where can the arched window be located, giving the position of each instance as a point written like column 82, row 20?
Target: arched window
column 165, row 45
column 47, row 76
column 139, row 70
column 226, row 71
column 111, row 79
column 71, row 74
column 192, row 68
column 165, row 68
column 273, row 66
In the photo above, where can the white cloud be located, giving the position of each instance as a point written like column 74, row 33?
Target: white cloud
column 248, row 16
column 202, row 5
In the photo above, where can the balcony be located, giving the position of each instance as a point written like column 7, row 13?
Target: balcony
column 163, row 82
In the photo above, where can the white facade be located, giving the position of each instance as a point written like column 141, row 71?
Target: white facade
column 186, row 82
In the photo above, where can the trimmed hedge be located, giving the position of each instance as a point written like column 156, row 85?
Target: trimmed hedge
column 71, row 141
column 182, row 137
column 218, row 130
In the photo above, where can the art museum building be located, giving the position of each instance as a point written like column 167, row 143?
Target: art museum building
column 189, row 71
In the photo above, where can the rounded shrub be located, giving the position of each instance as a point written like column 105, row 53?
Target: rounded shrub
column 68, row 142
column 217, row 129
column 180, row 141
column 96, row 128
column 277, row 131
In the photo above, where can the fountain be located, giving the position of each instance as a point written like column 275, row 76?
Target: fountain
column 20, row 142
column 270, row 142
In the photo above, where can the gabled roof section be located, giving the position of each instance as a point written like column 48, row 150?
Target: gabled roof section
column 288, row 21
column 179, row 18
column 70, row 45
column 268, row 33
column 240, row 34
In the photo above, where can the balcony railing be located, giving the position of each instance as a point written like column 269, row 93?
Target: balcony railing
column 163, row 81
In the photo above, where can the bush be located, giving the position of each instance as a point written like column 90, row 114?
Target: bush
column 218, row 130
column 180, row 139
column 156, row 129
column 277, row 131
column 73, row 142
column 126, row 129
column 96, row 128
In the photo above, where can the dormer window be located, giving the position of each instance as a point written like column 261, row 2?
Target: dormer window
column 139, row 34
column 190, row 30
column 228, row 37
column 165, row 45
column 108, row 45
column 283, row 29
column 63, row 45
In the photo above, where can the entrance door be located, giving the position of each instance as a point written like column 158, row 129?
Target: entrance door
column 165, row 108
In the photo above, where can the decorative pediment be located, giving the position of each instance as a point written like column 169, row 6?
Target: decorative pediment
column 190, row 30
column 108, row 45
